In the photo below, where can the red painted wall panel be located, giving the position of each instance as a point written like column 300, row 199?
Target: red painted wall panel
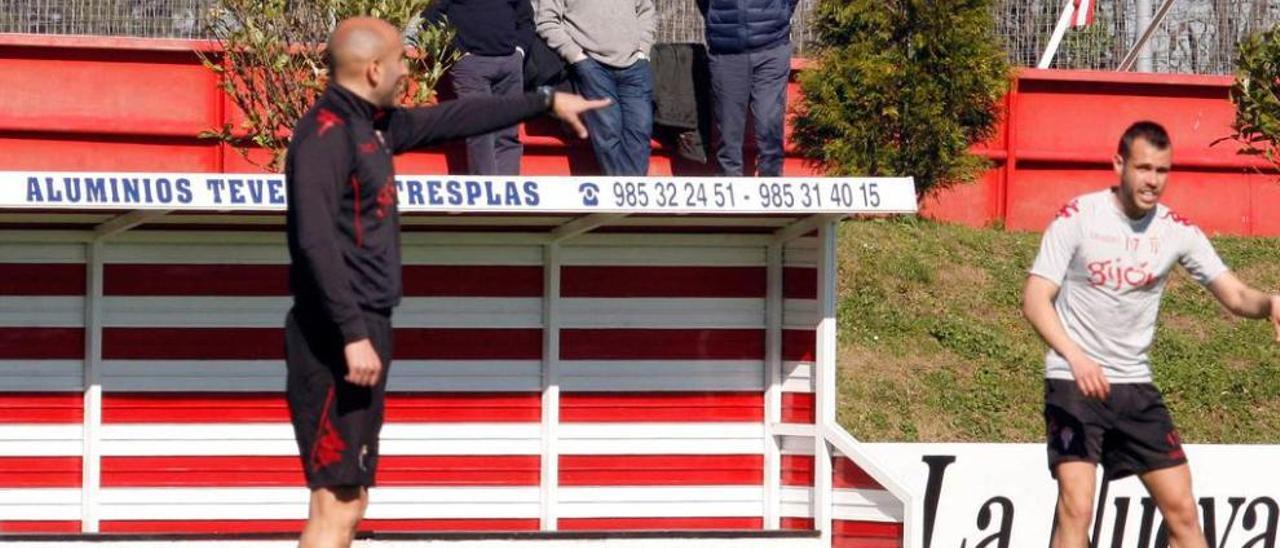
column 46, row 279
column 28, row 472
column 1217, row 201
column 1036, row 194
column 970, row 204
column 51, row 151
column 27, row 527
column 97, row 92
column 271, row 471
column 1265, row 204
column 1063, row 127
column 134, row 104
column 251, row 407
column 660, row 524
column 641, row 470
column 661, row 407
column 293, row 526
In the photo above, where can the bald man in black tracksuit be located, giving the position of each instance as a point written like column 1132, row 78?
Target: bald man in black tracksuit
column 344, row 240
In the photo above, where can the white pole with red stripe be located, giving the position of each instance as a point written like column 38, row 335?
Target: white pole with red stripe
column 1070, row 14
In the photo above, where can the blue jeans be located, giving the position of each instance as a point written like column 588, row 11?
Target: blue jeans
column 620, row 133
column 758, row 81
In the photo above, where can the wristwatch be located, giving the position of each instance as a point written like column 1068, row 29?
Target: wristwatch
column 548, row 95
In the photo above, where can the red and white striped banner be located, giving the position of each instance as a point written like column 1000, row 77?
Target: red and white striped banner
column 1082, row 16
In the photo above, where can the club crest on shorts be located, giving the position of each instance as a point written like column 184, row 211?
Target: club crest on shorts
column 1065, row 435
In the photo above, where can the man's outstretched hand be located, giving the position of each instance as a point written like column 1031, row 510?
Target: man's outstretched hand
column 570, row 108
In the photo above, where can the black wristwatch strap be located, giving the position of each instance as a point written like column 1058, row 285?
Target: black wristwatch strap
column 548, row 95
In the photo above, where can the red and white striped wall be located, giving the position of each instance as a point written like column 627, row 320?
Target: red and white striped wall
column 863, row 513
column 609, row 382
column 42, row 349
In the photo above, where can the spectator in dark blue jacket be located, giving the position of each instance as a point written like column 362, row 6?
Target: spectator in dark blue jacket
column 749, row 53
column 493, row 36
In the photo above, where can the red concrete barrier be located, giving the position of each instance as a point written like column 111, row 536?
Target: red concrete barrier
column 94, row 103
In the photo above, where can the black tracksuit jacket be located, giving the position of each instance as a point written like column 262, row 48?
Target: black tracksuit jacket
column 343, row 225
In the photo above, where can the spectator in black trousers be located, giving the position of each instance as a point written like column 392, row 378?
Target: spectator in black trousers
column 494, row 36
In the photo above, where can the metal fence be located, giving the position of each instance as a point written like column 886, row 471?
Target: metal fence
column 146, row 18
column 1198, row 36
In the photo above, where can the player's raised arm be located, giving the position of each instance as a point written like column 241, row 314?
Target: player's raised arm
column 1245, row 301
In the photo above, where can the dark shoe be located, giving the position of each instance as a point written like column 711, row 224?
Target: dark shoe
column 689, row 146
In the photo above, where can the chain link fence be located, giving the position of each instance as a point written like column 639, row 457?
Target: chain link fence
column 144, row 18
column 1198, row 36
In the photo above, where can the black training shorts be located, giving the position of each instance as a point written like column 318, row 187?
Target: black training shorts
column 335, row 422
column 1130, row 432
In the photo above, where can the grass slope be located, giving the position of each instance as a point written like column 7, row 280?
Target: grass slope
column 933, row 346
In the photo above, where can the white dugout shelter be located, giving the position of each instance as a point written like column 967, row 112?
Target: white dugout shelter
column 579, row 361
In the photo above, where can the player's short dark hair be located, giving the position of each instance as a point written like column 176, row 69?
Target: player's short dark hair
column 1146, row 130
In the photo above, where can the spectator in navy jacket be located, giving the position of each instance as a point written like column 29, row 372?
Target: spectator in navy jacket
column 749, row 53
column 493, row 36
